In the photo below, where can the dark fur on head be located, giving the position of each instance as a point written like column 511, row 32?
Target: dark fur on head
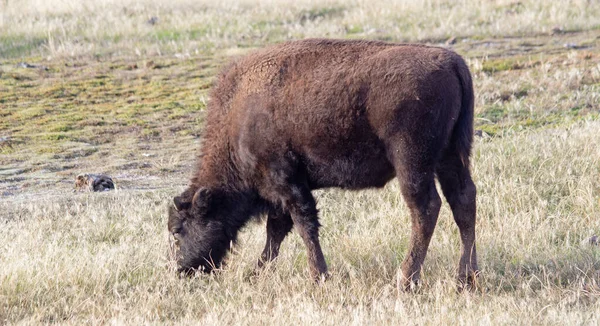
column 204, row 223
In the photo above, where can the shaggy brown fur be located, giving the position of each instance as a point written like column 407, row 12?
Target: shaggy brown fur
column 330, row 113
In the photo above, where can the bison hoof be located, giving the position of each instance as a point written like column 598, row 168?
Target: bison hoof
column 185, row 272
column 321, row 278
column 407, row 284
column 469, row 281
column 261, row 267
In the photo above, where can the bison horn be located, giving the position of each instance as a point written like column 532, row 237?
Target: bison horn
column 180, row 204
column 201, row 198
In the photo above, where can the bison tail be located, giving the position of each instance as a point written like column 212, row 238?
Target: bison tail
column 462, row 134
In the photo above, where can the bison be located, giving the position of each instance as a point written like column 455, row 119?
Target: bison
column 320, row 113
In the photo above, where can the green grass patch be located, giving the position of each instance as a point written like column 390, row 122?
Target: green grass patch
column 61, row 127
column 314, row 14
column 354, row 29
column 27, row 114
column 508, row 63
column 494, row 113
column 491, row 66
column 22, row 45
column 528, row 121
column 56, row 136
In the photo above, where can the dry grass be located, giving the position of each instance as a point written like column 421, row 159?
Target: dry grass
column 61, row 28
column 102, row 258
column 127, row 98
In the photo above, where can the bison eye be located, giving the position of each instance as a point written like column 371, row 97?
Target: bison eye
column 177, row 236
column 176, row 230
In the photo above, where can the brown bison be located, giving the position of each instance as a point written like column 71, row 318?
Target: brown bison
column 330, row 113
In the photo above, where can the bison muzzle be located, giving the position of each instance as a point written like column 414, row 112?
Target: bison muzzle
column 330, row 113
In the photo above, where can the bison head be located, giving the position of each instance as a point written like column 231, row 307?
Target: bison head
column 200, row 230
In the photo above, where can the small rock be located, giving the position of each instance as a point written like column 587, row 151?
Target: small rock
column 594, row 241
column 571, row 46
column 30, row 66
column 557, row 30
column 152, row 21
column 24, row 65
column 5, row 142
column 94, row 182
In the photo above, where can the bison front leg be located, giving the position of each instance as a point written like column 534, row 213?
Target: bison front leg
column 279, row 224
column 286, row 186
column 424, row 204
column 298, row 200
column 304, row 215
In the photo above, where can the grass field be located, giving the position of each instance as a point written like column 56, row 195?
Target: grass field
column 120, row 87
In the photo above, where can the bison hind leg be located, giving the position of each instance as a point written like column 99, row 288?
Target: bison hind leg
column 414, row 156
column 460, row 192
column 423, row 201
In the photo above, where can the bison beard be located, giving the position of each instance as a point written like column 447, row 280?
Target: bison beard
column 329, row 113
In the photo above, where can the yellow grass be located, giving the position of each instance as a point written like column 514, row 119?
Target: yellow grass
column 87, row 28
column 101, row 258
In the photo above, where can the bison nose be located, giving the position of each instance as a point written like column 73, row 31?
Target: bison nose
column 173, row 252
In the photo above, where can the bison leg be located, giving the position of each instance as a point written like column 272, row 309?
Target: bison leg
column 418, row 189
column 460, row 192
column 279, row 224
column 298, row 200
column 286, row 186
column 303, row 210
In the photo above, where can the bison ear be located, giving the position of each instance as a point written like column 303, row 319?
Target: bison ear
column 202, row 199
column 181, row 204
